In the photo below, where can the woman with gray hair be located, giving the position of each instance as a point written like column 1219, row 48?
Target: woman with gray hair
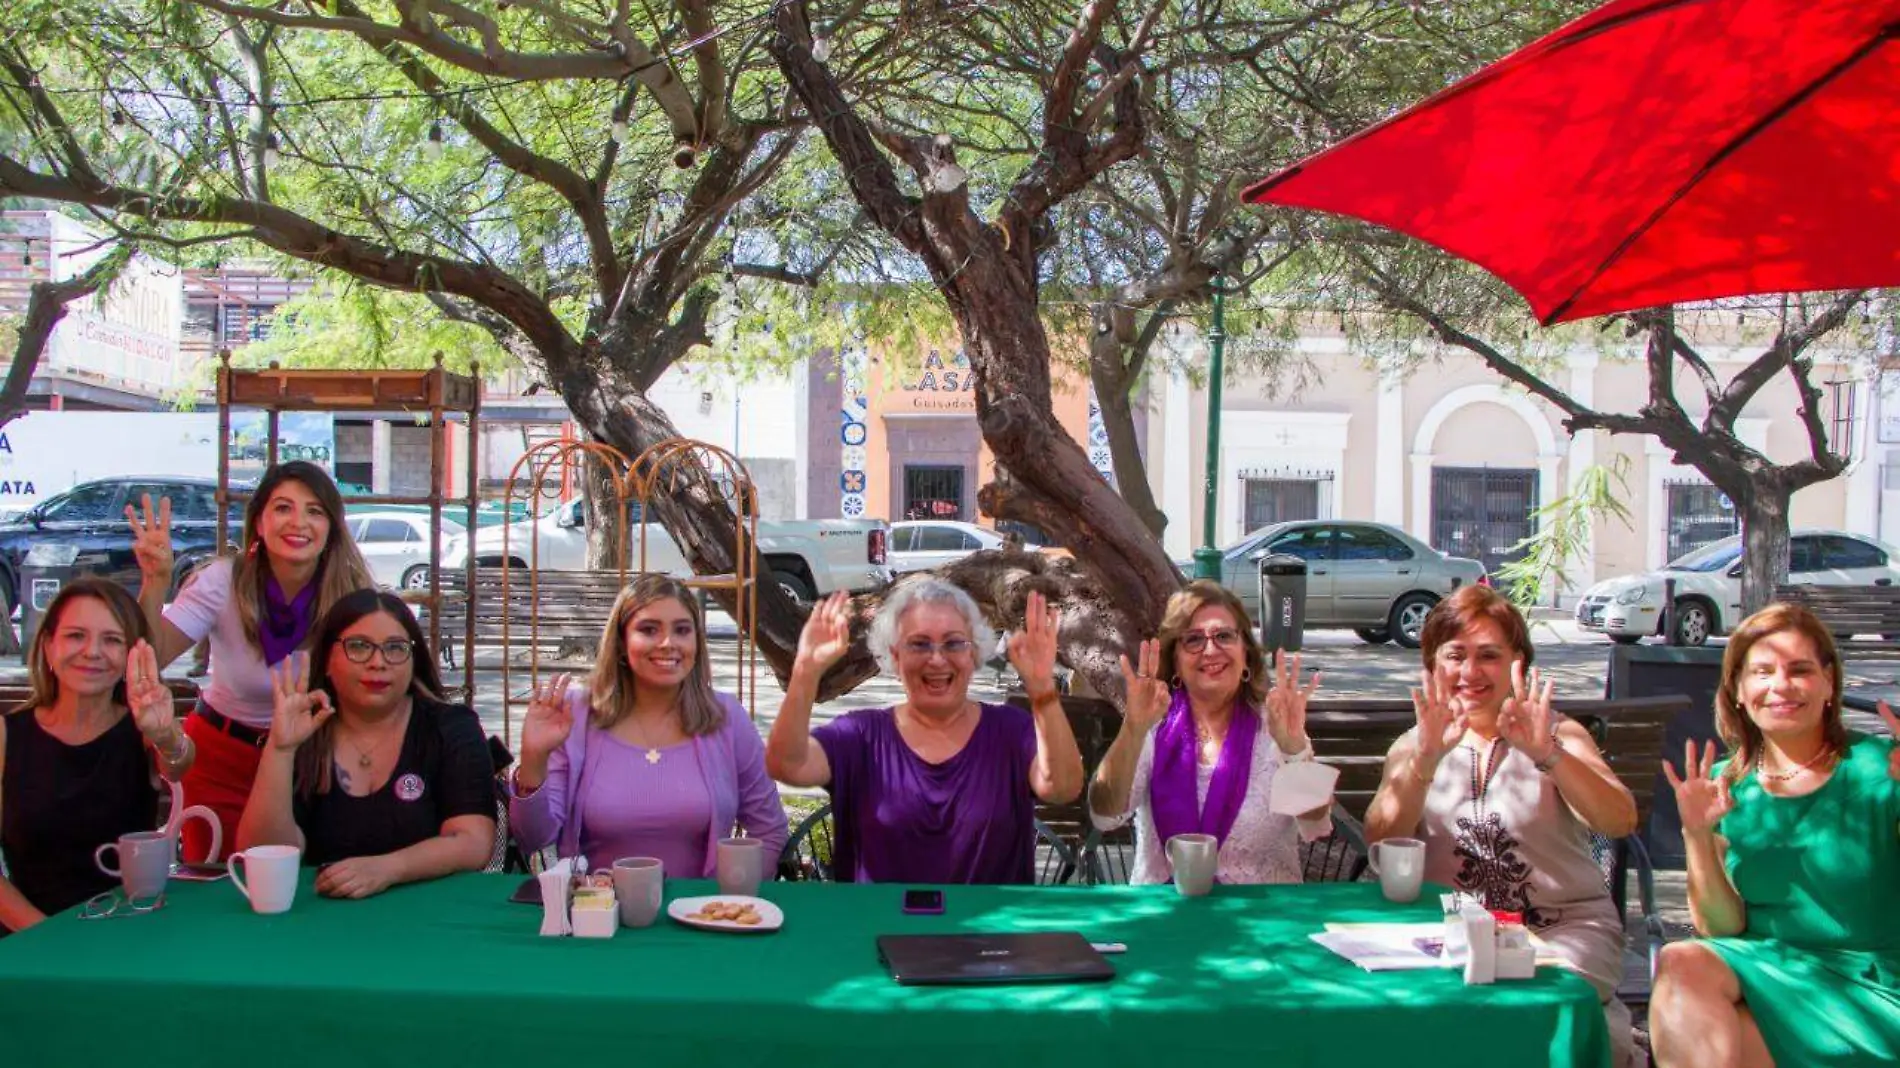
column 939, row 789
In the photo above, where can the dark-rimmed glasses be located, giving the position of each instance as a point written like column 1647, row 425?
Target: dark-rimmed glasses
column 395, row 650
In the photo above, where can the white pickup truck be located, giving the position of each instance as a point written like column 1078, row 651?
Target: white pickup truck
column 807, row 557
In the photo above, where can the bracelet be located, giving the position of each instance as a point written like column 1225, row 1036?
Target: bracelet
column 1304, row 756
column 1556, row 755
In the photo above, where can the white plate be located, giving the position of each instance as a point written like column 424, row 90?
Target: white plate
column 770, row 918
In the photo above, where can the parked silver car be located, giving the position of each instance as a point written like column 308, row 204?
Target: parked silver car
column 1375, row 579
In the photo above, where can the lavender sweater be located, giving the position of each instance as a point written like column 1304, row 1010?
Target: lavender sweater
column 726, row 766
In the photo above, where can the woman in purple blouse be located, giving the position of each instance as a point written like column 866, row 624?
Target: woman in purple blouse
column 661, row 765
column 939, row 789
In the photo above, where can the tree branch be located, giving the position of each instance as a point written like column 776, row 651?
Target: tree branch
column 45, row 307
column 301, row 238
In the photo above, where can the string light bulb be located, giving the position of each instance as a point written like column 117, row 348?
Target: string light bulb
column 432, row 148
column 821, row 48
column 271, row 155
column 619, row 132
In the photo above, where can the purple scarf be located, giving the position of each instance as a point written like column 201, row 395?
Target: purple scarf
column 1172, row 786
column 284, row 625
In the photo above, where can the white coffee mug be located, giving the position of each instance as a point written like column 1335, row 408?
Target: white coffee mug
column 273, row 876
column 1195, row 858
column 1400, row 865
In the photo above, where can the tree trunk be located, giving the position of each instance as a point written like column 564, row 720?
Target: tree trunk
column 1114, row 388
column 605, row 530
column 1763, row 504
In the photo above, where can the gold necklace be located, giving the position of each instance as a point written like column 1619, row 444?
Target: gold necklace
column 1783, row 776
column 365, row 756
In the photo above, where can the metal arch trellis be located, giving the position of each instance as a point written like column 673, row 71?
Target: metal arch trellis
column 660, row 468
column 549, row 458
column 664, row 468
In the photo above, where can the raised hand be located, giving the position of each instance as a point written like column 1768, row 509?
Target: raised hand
column 827, row 634
column 1032, row 650
column 1440, row 727
column 1893, row 728
column 1286, row 704
column 549, row 720
column 1701, row 798
column 296, row 713
column 1526, row 720
column 149, row 699
column 1148, row 696
column 152, row 537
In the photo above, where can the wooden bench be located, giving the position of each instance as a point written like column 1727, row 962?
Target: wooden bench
column 184, row 696
column 1851, row 610
column 559, row 614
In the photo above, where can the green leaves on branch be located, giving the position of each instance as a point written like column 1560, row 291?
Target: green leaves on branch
column 1564, row 531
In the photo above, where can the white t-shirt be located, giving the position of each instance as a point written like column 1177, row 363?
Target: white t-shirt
column 239, row 686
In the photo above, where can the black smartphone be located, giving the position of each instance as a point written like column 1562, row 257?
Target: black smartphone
column 200, row 873
column 528, row 893
column 923, row 902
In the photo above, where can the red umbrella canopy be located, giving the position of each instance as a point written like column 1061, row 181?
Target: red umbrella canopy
column 1653, row 151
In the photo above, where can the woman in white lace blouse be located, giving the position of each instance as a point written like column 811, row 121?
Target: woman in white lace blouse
column 1198, row 751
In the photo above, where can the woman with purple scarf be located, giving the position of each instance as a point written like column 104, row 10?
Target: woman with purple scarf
column 295, row 559
column 939, row 789
column 1197, row 753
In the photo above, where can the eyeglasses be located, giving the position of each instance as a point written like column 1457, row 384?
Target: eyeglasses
column 1196, row 640
column 114, row 904
column 395, row 650
column 922, row 648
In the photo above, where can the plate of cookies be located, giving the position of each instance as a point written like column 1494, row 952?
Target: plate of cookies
column 727, row 912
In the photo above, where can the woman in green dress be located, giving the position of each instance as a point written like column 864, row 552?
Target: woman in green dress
column 1794, row 857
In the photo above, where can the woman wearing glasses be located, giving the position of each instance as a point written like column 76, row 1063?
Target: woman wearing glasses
column 939, row 789
column 1199, row 748
column 376, row 779
column 662, row 765
column 1505, row 792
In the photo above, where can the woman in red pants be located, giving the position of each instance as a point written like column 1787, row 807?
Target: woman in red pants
column 295, row 559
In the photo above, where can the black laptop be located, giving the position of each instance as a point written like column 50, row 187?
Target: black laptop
column 962, row 960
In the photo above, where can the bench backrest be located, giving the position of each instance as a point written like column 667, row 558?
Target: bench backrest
column 1354, row 734
column 184, row 696
column 545, row 608
column 1848, row 609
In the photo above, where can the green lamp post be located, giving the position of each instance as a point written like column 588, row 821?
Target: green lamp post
column 1207, row 558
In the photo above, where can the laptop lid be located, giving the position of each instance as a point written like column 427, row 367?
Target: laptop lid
column 956, row 959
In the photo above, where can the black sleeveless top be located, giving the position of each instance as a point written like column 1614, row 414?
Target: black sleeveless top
column 59, row 803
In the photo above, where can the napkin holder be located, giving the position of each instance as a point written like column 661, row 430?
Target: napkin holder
column 555, row 884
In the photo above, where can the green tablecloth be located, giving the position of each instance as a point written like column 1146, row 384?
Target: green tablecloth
column 451, row 973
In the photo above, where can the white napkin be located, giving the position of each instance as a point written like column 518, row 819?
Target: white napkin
column 554, row 888
column 1301, row 788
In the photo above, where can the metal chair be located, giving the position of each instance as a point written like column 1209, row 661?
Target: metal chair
column 1340, row 857
column 1108, row 857
column 807, row 853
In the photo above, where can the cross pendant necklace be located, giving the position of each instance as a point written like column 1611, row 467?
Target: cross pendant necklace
column 653, row 756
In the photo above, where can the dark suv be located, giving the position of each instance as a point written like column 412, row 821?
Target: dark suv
column 91, row 516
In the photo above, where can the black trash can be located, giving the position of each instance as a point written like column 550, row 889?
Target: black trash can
column 1282, row 602
column 48, row 566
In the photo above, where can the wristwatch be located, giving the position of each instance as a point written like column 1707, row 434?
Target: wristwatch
column 1302, row 757
column 1557, row 753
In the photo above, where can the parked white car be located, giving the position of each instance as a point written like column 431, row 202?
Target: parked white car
column 396, row 545
column 807, row 557
column 925, row 545
column 1709, row 585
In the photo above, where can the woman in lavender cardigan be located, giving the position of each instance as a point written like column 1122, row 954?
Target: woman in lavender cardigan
column 661, row 765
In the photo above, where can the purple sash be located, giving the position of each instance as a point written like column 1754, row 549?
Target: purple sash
column 1172, row 786
column 284, row 625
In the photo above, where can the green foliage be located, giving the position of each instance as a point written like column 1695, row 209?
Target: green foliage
column 344, row 323
column 1564, row 529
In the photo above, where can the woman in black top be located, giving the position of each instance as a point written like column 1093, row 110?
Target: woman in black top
column 77, row 759
column 376, row 779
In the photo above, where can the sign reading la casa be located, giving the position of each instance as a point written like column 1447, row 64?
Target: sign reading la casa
column 946, row 385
